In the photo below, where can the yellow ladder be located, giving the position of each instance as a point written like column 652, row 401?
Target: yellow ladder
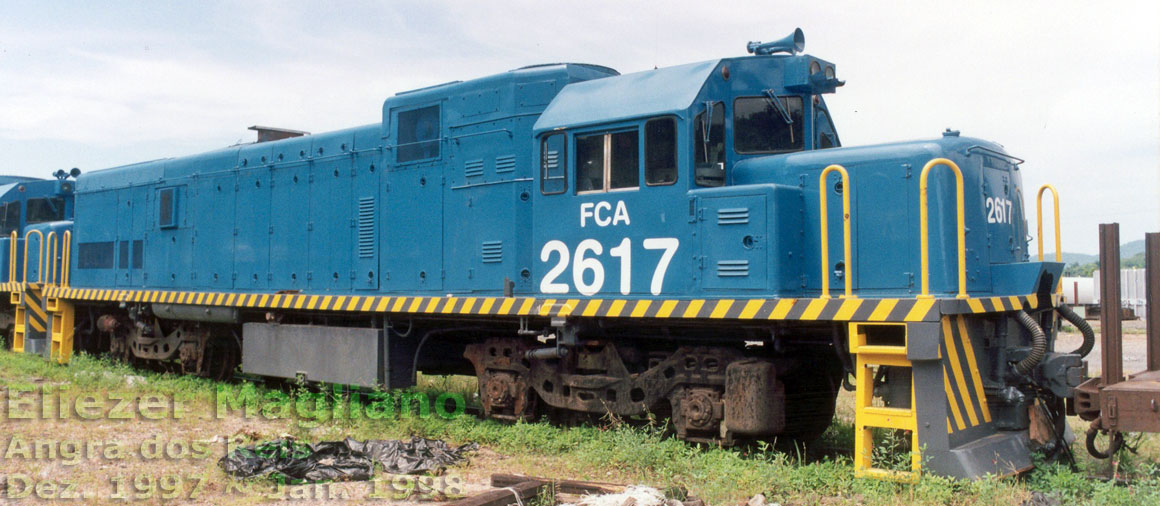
column 61, row 328
column 867, row 416
column 18, row 328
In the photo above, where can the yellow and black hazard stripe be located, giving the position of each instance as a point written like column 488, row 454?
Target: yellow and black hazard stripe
column 807, row 309
column 36, row 317
column 979, row 305
column 833, row 309
column 10, row 286
column 966, row 401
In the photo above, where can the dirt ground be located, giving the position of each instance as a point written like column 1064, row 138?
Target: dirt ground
column 1135, row 339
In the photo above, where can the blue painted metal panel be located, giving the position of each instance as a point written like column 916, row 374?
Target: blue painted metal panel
column 139, row 200
column 252, row 218
column 215, row 235
column 735, row 228
column 331, row 217
column 289, row 237
column 125, row 214
column 413, row 230
column 636, row 95
column 96, row 224
column 367, row 209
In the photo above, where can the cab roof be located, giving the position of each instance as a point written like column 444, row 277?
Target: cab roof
column 639, row 94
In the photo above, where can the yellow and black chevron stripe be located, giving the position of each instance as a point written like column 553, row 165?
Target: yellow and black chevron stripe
column 807, row 309
column 834, row 309
column 966, row 401
column 977, row 305
column 34, row 311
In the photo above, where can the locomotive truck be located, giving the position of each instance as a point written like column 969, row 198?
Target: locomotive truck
column 691, row 241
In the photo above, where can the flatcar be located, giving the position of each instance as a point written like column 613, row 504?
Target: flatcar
column 691, row 241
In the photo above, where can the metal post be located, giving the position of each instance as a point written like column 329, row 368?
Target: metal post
column 1111, row 346
column 1152, row 297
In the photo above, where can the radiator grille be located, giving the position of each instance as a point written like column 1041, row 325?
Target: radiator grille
column 366, row 227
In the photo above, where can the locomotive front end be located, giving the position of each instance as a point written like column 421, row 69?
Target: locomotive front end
column 916, row 252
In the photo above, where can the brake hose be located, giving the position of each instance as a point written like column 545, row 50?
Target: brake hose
column 1038, row 343
column 1089, row 335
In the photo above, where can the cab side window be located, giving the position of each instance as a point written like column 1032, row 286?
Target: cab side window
column 709, row 150
column 553, row 164
column 10, row 218
column 608, row 161
column 827, row 138
column 660, row 152
column 418, row 134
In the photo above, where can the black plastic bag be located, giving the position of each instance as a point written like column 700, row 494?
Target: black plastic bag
column 346, row 460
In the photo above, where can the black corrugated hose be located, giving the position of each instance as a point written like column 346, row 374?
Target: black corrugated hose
column 1038, row 343
column 1089, row 335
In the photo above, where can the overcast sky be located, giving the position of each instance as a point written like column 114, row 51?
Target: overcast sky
column 1072, row 87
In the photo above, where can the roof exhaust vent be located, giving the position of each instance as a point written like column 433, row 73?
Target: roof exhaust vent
column 266, row 134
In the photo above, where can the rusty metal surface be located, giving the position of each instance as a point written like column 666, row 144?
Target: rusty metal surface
column 1111, row 344
column 561, row 486
column 1087, row 399
column 595, row 377
column 754, row 398
column 1152, row 297
column 514, row 494
column 1115, row 404
column 503, row 375
column 1133, row 405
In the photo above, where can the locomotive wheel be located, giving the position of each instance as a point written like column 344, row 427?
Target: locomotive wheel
column 502, row 373
column 221, row 358
column 810, row 401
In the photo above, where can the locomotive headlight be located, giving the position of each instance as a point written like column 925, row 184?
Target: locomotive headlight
column 829, row 71
column 815, row 67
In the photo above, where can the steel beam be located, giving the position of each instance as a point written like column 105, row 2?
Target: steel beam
column 1152, row 297
column 1111, row 346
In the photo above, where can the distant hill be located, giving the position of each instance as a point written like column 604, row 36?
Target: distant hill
column 1132, row 248
column 1074, row 258
column 1127, row 250
column 1082, row 264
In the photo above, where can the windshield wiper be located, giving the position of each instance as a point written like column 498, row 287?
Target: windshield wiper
column 780, row 107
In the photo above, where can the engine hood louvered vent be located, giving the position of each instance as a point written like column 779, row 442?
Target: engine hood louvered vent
column 733, row 216
column 732, row 268
column 491, row 252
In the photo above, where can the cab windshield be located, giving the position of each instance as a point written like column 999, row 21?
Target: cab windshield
column 761, row 126
column 45, row 209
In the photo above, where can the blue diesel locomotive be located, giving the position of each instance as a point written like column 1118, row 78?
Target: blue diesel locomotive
column 691, row 241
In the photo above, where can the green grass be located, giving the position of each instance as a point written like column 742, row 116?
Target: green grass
column 644, row 454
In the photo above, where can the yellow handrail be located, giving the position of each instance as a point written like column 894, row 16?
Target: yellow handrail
column 845, row 230
column 50, row 257
column 66, row 253
column 40, row 261
column 962, row 250
column 12, row 258
column 1039, row 226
